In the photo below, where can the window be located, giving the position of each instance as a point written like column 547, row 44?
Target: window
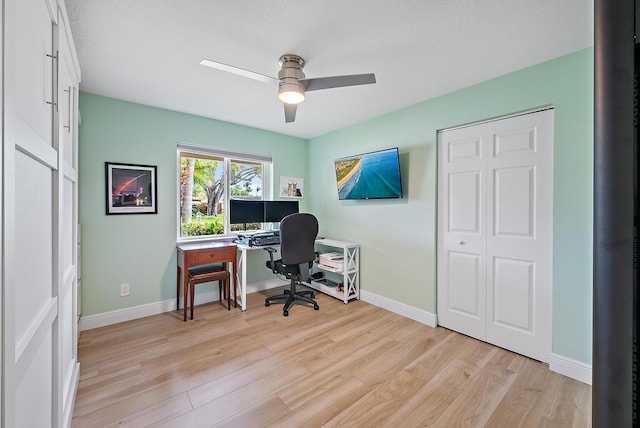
column 207, row 178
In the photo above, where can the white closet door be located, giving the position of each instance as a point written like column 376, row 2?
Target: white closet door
column 30, row 305
column 66, row 182
column 39, row 215
column 495, row 282
column 462, row 263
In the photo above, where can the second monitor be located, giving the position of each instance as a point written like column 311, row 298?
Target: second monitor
column 275, row 211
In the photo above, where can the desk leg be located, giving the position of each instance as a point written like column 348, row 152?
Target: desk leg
column 243, row 279
column 186, row 290
column 233, row 278
column 235, row 284
column 178, row 288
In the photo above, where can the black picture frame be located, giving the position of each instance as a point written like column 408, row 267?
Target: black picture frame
column 130, row 188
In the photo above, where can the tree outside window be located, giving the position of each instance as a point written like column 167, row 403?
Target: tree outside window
column 203, row 190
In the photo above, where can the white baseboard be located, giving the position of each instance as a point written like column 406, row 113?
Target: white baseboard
column 121, row 315
column 571, row 368
column 90, row 322
column 419, row 315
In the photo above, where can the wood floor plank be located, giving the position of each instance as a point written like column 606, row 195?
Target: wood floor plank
column 241, row 399
column 565, row 403
column 154, row 415
column 391, row 394
column 385, row 365
column 433, row 397
column 259, row 369
column 158, row 383
column 343, row 365
column 324, row 403
column 476, row 403
column 260, row 415
column 524, row 395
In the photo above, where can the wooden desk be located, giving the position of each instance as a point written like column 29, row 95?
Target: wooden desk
column 201, row 253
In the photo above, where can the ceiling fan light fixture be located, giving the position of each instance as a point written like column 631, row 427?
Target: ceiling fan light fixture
column 291, row 93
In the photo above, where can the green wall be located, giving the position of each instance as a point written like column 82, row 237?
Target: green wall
column 141, row 249
column 398, row 237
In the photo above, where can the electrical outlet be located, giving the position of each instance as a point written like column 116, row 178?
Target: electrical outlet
column 124, row 290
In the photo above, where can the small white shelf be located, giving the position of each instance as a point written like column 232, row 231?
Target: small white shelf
column 328, row 268
column 350, row 274
column 323, row 288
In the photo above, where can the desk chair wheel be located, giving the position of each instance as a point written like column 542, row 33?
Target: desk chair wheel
column 266, row 303
column 316, row 307
column 285, row 313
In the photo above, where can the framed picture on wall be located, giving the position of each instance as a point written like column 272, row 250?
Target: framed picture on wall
column 130, row 189
column 291, row 187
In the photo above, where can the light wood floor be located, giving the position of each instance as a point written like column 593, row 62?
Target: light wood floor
column 352, row 365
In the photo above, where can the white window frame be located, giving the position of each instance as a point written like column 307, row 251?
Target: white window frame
column 228, row 156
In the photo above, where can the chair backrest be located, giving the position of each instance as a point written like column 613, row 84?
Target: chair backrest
column 298, row 233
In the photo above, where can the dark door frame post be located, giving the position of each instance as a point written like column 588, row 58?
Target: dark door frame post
column 614, row 156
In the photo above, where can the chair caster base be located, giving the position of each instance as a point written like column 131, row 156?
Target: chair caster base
column 285, row 313
column 316, row 307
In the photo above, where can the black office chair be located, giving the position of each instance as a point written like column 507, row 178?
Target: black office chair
column 297, row 236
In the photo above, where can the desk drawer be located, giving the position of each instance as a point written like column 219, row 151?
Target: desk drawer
column 211, row 255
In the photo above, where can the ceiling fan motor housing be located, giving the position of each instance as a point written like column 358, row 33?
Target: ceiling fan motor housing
column 291, row 68
column 290, row 75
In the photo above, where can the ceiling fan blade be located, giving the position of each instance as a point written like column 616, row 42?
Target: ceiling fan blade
column 290, row 112
column 240, row 72
column 338, row 81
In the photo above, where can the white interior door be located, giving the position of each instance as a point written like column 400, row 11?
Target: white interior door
column 30, row 305
column 39, row 215
column 462, row 266
column 67, row 219
column 495, row 232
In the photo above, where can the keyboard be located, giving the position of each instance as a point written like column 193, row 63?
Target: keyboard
column 259, row 239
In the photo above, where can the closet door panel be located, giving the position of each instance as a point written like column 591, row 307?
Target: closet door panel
column 30, row 44
column 33, row 393
column 464, row 291
column 33, row 243
column 514, row 202
column 513, row 293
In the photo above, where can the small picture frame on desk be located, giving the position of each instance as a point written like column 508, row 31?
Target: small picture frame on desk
column 291, row 187
column 130, row 188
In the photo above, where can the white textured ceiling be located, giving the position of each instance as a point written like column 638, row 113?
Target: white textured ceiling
column 148, row 51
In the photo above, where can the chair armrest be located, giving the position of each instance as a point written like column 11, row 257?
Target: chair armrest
column 271, row 250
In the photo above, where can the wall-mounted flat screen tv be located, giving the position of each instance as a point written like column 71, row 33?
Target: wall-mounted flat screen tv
column 374, row 175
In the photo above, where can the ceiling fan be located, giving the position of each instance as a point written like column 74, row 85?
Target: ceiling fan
column 292, row 83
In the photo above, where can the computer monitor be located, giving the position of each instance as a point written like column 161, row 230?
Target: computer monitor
column 242, row 211
column 274, row 211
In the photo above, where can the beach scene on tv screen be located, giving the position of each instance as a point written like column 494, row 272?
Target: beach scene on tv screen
column 369, row 176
